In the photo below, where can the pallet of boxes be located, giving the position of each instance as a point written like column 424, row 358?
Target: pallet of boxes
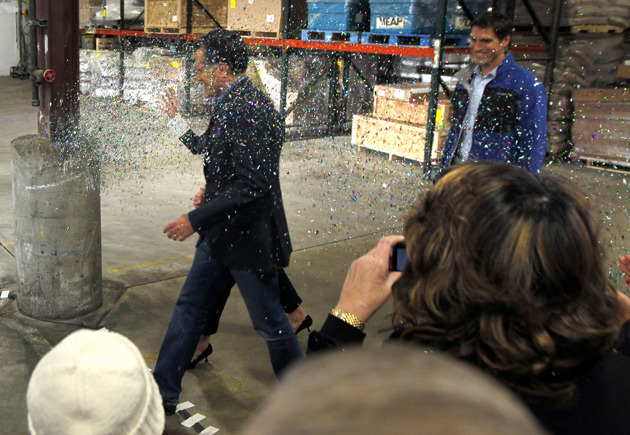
column 601, row 130
column 398, row 124
column 170, row 16
column 265, row 18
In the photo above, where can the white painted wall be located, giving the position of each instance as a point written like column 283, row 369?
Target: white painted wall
column 9, row 55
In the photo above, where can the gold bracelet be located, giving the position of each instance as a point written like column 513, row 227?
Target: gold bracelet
column 350, row 319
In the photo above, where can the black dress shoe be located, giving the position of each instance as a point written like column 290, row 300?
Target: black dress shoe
column 169, row 408
column 203, row 355
column 306, row 324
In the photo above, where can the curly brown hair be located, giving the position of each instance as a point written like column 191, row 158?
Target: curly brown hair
column 505, row 271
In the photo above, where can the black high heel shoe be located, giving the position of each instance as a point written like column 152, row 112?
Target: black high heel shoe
column 203, row 355
column 306, row 324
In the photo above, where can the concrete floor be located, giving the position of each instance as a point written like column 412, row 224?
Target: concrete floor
column 339, row 202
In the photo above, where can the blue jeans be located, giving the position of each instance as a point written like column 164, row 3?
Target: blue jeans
column 206, row 289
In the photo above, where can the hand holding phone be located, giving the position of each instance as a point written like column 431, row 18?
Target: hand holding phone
column 369, row 281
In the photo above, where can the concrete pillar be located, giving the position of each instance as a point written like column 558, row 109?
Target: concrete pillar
column 56, row 200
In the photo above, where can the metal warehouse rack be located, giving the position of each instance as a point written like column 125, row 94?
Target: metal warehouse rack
column 341, row 52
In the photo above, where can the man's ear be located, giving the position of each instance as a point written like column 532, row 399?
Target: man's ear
column 505, row 42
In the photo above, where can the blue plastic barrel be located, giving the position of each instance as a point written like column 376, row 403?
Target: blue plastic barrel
column 418, row 16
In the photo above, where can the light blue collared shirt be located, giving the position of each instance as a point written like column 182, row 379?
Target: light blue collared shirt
column 478, row 85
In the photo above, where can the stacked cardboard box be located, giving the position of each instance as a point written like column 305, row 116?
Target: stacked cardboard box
column 88, row 9
column 265, row 18
column 169, row 16
column 601, row 131
column 398, row 124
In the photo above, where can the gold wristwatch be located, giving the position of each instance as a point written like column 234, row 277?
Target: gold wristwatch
column 348, row 318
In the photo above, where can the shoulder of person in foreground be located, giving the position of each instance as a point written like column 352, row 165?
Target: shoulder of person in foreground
column 392, row 389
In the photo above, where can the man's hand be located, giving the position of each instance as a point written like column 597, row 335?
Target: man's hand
column 179, row 229
column 170, row 102
column 369, row 281
column 198, row 199
column 624, row 265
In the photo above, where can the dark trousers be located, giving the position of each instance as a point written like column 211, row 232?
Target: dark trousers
column 206, row 290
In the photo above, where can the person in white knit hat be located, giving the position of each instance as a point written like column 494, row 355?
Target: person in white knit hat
column 94, row 382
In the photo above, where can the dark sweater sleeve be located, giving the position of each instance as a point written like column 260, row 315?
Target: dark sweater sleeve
column 335, row 333
column 623, row 345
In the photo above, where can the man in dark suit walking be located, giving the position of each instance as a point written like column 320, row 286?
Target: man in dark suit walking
column 243, row 231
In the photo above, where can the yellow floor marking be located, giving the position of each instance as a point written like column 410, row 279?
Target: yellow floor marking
column 138, row 266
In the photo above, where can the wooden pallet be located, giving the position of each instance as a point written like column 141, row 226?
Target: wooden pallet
column 176, row 30
column 256, row 34
column 397, row 155
column 410, row 40
column 106, row 44
column 605, row 164
column 331, row 36
column 596, row 28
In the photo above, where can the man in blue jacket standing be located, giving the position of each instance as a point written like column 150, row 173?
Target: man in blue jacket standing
column 243, row 231
column 499, row 108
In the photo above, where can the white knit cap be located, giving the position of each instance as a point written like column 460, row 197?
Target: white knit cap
column 94, row 382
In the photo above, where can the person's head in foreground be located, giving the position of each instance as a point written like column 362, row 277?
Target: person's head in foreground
column 505, row 271
column 390, row 390
column 94, row 382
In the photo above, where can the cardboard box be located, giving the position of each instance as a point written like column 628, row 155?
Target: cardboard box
column 169, row 16
column 264, row 18
column 601, row 129
column 605, row 139
column 616, row 110
column 601, row 95
column 88, row 9
column 395, row 138
column 412, row 112
column 623, row 72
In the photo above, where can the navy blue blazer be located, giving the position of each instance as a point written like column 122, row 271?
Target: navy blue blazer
column 242, row 216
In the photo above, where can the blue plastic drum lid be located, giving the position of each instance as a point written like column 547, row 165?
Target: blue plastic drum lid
column 338, row 15
column 419, row 16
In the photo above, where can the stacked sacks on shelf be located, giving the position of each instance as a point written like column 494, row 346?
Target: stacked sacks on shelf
column 583, row 60
column 144, row 82
column 598, row 12
column 85, row 72
column 592, row 60
column 137, row 86
column 148, row 72
column 544, row 12
column 312, row 110
column 102, row 69
column 559, row 119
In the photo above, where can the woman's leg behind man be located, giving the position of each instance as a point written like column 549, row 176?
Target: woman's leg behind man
column 261, row 295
